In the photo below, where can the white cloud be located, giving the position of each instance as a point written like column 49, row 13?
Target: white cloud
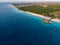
column 26, row 0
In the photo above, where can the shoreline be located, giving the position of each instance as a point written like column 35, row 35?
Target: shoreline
column 56, row 19
column 41, row 16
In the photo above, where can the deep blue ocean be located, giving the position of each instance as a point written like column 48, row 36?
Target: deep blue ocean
column 20, row 28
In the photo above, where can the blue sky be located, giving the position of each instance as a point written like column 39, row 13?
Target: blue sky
column 28, row 0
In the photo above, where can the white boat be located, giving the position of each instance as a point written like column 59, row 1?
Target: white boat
column 47, row 20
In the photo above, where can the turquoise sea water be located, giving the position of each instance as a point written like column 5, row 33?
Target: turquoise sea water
column 20, row 28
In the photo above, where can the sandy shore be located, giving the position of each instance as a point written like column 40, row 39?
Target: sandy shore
column 57, row 20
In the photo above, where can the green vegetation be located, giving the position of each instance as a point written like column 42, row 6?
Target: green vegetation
column 52, row 11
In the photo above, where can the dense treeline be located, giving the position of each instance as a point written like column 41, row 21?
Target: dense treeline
column 52, row 11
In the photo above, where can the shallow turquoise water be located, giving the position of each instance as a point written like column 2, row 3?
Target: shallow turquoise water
column 20, row 28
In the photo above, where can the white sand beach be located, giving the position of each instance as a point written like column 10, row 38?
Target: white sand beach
column 57, row 20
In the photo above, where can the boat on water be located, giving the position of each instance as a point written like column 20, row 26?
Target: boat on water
column 49, row 21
